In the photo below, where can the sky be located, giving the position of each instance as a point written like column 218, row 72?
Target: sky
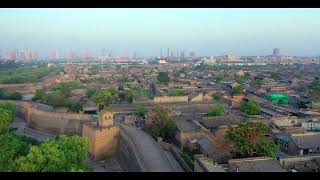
column 144, row 31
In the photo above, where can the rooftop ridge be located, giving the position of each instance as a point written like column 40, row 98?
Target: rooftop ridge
column 251, row 159
column 306, row 134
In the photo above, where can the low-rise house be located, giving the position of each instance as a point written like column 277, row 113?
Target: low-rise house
column 311, row 126
column 300, row 144
column 284, row 121
column 257, row 164
column 205, row 164
column 188, row 129
column 306, row 163
column 215, row 122
column 206, row 146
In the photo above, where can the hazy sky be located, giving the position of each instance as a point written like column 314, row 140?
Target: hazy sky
column 145, row 31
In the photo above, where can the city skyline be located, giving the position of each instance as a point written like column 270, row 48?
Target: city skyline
column 144, row 31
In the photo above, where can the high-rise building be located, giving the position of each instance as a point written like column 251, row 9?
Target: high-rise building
column 28, row 56
column 85, row 54
column 71, row 55
column 182, row 54
column 160, row 52
column 53, row 55
column 276, row 52
column 21, row 55
column 168, row 52
column 231, row 57
column 10, row 55
column 192, row 54
column 34, row 55
column 172, row 54
column 104, row 52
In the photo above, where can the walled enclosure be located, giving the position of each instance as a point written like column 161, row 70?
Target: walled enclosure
column 134, row 149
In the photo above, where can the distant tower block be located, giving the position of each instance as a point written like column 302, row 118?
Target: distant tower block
column 168, row 53
column 160, row 52
column 276, row 52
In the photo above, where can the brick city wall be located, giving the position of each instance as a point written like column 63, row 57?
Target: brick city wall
column 167, row 99
column 104, row 142
column 54, row 122
column 18, row 87
column 127, row 155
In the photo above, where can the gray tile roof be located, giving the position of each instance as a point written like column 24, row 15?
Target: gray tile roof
column 216, row 121
column 259, row 164
column 306, row 141
column 187, row 125
column 206, row 144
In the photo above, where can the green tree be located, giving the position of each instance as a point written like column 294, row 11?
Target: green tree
column 65, row 154
column 125, row 79
column 238, row 90
column 275, row 76
column 162, row 124
column 315, row 86
column 73, row 106
column 216, row 97
column 250, row 138
column 12, row 147
column 140, row 111
column 15, row 96
column 250, row 108
column 163, row 77
column 219, row 78
column 55, row 99
column 239, row 79
column 91, row 92
column 176, row 93
column 246, row 74
column 103, row 98
column 257, row 83
column 7, row 114
column 217, row 111
column 40, row 94
column 2, row 95
column 129, row 96
column 65, row 88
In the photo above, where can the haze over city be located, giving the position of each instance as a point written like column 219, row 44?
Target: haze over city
column 159, row 90
column 145, row 31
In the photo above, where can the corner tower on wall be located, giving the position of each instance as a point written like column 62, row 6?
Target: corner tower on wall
column 103, row 136
column 106, row 119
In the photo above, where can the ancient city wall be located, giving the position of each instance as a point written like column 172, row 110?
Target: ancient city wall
column 168, row 99
column 104, row 142
column 19, row 87
column 126, row 155
column 54, row 122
